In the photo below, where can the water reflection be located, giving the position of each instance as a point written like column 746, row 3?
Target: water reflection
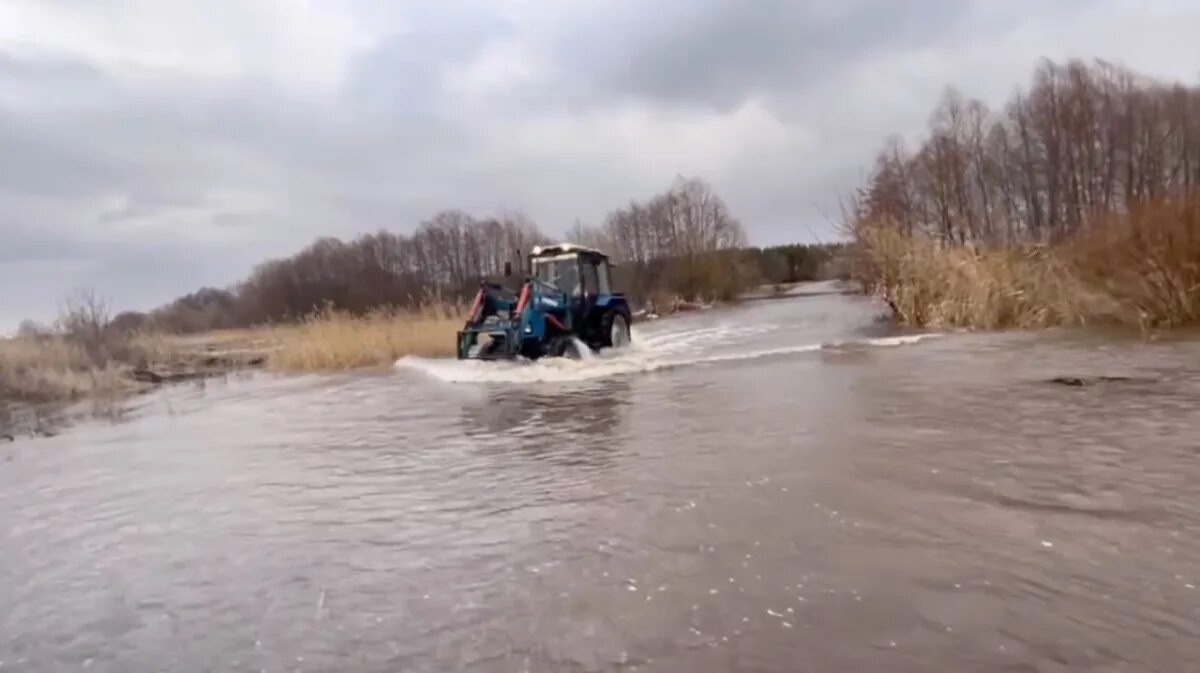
column 576, row 426
column 592, row 409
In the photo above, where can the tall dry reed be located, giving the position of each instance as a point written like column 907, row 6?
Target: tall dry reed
column 1140, row 269
column 1148, row 261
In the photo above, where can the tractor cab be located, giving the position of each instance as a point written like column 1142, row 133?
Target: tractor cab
column 564, row 305
column 574, row 270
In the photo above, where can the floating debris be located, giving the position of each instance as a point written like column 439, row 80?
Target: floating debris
column 713, row 592
column 1047, row 544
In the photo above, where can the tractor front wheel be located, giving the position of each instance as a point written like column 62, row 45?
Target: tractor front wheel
column 564, row 347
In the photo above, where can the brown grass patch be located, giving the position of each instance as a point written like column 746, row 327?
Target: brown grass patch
column 332, row 340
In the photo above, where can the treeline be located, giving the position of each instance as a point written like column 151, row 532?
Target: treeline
column 1084, row 142
column 442, row 260
column 683, row 243
column 686, row 243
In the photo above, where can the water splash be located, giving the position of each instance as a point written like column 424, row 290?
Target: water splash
column 585, row 353
column 647, row 353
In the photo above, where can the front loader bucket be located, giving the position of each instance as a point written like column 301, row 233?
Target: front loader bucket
column 465, row 340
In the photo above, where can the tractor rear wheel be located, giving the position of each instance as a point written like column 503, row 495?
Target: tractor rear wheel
column 616, row 330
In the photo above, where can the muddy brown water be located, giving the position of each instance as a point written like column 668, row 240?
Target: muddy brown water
column 777, row 487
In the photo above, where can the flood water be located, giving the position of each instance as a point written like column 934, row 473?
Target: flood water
column 781, row 486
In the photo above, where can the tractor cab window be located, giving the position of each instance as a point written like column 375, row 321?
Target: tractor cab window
column 591, row 277
column 604, row 284
column 561, row 272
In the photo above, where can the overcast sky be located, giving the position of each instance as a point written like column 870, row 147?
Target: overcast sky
column 150, row 147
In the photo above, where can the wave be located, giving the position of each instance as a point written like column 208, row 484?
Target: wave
column 651, row 354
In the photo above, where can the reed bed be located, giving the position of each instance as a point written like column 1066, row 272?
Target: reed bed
column 332, row 340
column 1140, row 269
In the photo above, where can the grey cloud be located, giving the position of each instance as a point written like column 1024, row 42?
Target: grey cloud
column 717, row 53
column 146, row 182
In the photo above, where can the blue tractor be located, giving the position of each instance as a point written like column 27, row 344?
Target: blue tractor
column 565, row 303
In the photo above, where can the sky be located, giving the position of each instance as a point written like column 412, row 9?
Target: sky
column 152, row 147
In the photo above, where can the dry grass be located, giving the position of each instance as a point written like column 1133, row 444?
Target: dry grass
column 331, row 340
column 1142, row 270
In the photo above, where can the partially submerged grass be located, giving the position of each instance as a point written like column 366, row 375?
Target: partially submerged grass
column 1141, row 270
column 331, row 340
column 58, row 368
column 54, row 368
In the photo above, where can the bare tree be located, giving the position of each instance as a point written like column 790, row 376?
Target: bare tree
column 84, row 318
column 1082, row 141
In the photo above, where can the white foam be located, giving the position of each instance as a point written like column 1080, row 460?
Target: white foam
column 544, row 370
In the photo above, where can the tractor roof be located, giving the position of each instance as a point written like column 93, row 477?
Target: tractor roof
column 564, row 249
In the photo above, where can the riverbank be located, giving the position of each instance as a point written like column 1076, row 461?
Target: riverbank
column 40, row 376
